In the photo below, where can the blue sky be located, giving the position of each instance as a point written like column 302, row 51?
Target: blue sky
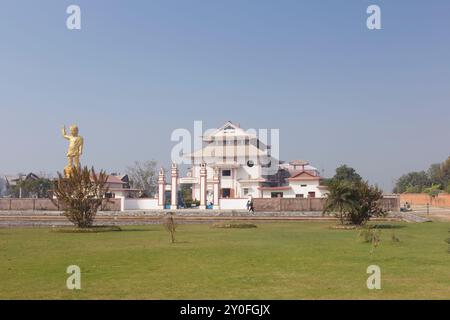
column 338, row 92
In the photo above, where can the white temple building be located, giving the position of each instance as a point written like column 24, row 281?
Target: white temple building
column 232, row 166
column 237, row 162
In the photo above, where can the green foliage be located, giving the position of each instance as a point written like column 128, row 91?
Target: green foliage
column 31, row 188
column 353, row 203
column 416, row 182
column 448, row 188
column 413, row 182
column 433, row 191
column 93, row 229
column 413, row 189
column 345, row 173
column 186, row 194
column 81, row 195
column 233, row 225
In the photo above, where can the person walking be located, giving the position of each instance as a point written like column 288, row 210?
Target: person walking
column 251, row 208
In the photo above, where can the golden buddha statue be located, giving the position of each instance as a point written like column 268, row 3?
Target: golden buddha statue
column 75, row 149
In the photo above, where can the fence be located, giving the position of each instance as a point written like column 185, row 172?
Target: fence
column 23, row 204
column 441, row 200
column 309, row 204
column 260, row 204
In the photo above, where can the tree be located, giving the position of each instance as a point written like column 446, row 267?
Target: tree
column 433, row 191
column 339, row 199
column 434, row 173
column 2, row 186
column 81, row 195
column 186, row 194
column 353, row 202
column 415, row 181
column 31, row 188
column 144, row 176
column 345, row 173
column 445, row 172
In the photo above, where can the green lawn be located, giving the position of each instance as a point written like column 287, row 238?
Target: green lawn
column 296, row 260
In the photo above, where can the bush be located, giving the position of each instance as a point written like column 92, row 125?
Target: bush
column 371, row 235
column 81, row 195
column 353, row 202
column 96, row 229
column 169, row 224
column 234, row 225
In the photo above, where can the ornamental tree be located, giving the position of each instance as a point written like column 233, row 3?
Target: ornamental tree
column 81, row 195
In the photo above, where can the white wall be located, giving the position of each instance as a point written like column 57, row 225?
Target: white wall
column 311, row 186
column 286, row 193
column 296, row 188
column 233, row 204
column 140, row 204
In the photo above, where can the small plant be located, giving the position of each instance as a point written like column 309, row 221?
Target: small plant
column 448, row 241
column 376, row 239
column 234, row 225
column 366, row 233
column 93, row 229
column 170, row 225
column 371, row 235
column 394, row 237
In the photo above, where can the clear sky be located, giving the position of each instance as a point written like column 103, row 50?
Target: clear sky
column 339, row 93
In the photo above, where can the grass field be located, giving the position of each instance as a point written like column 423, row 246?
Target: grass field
column 300, row 260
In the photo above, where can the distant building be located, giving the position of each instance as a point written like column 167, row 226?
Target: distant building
column 119, row 186
column 296, row 179
column 12, row 181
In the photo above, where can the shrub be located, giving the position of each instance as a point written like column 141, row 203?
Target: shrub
column 368, row 233
column 234, row 225
column 170, row 225
column 81, row 195
column 394, row 237
column 353, row 202
column 371, row 235
column 95, row 229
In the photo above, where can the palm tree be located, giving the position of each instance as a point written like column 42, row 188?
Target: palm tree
column 355, row 202
column 340, row 199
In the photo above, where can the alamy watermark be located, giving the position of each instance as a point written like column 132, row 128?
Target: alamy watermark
column 73, row 282
column 374, row 280
column 374, row 20
column 73, row 21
